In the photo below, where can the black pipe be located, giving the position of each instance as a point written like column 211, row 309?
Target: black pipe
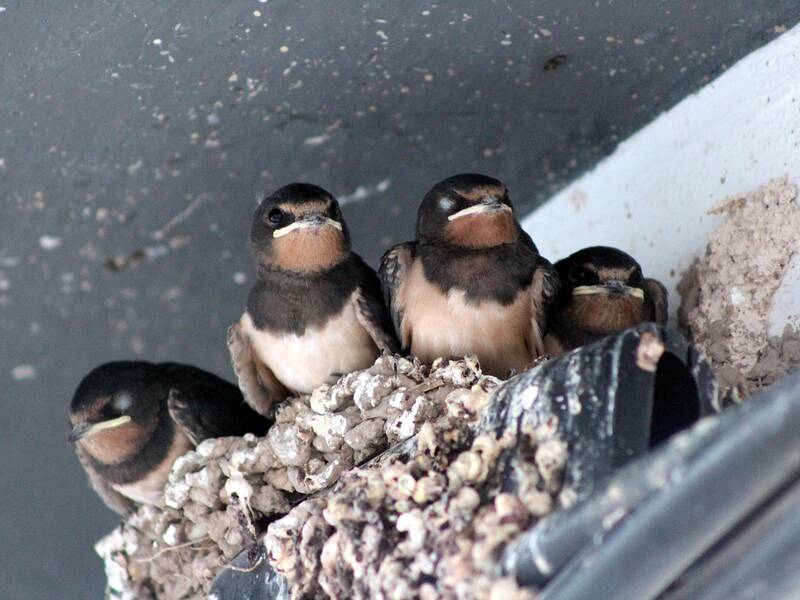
column 612, row 401
column 760, row 558
column 734, row 464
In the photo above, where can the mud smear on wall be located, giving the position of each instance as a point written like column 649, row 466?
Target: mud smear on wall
column 727, row 295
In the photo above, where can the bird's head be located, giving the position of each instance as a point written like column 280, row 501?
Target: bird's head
column 467, row 211
column 602, row 286
column 116, row 408
column 299, row 228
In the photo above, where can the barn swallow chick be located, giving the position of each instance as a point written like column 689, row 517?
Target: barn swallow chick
column 602, row 292
column 473, row 282
column 131, row 420
column 316, row 311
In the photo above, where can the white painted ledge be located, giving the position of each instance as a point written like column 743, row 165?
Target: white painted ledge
column 651, row 196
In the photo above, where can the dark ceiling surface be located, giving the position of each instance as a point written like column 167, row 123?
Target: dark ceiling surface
column 135, row 137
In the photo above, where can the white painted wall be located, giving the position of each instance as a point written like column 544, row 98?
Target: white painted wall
column 651, row 196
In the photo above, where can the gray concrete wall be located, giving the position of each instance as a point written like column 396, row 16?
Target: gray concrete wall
column 136, row 135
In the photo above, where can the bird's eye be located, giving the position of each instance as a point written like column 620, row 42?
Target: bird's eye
column 335, row 213
column 635, row 277
column 121, row 402
column 445, row 203
column 275, row 216
column 583, row 276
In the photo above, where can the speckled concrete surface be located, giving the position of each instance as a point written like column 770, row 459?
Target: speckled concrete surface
column 135, row 137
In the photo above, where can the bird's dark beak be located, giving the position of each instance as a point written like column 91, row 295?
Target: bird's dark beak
column 309, row 221
column 614, row 286
column 80, row 430
column 487, row 204
column 318, row 220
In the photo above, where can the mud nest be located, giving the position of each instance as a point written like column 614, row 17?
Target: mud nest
column 425, row 521
column 727, row 294
column 220, row 496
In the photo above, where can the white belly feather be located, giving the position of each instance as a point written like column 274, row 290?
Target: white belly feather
column 304, row 362
column 440, row 324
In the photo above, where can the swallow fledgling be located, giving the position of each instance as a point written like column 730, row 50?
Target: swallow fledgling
column 472, row 282
column 131, row 420
column 316, row 311
column 602, row 292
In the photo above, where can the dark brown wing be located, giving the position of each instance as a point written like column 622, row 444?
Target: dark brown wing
column 372, row 315
column 259, row 386
column 659, row 298
column 112, row 498
column 544, row 290
column 204, row 411
column 393, row 273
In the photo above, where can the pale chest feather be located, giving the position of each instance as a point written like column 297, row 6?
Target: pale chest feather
column 439, row 324
column 318, row 355
column 149, row 489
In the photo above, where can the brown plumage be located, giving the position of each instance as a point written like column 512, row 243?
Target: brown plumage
column 316, row 311
column 602, row 292
column 472, row 283
column 131, row 420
